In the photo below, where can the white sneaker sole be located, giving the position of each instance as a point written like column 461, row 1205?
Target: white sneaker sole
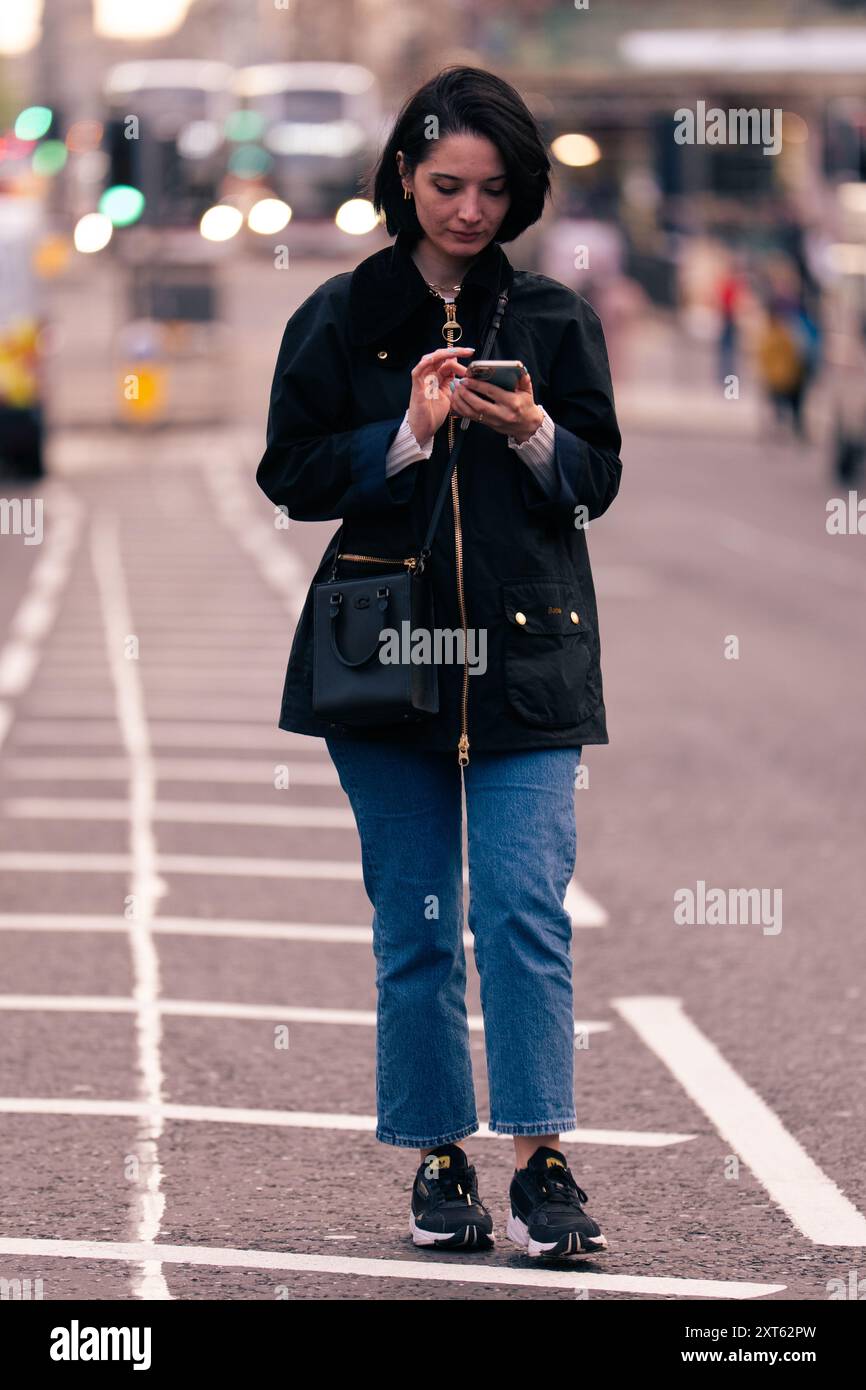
column 518, row 1232
column 471, row 1236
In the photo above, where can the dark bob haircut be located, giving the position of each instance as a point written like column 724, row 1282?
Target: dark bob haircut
column 464, row 101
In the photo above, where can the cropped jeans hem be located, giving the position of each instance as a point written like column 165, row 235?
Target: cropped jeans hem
column 538, row 1127
column 404, row 1141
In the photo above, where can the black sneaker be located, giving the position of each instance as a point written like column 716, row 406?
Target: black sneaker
column 546, row 1215
column 446, row 1209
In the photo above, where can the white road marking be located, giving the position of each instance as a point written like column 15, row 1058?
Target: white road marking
column 35, row 614
column 18, row 661
column 297, row 1119
column 209, row 1008
column 810, row 1199
column 98, row 769
column 584, row 910
column 164, row 733
column 182, row 812
column 167, row 680
column 155, row 616
column 85, row 704
column 194, row 926
column 325, row 933
column 62, row 861
column 253, row 530
column 146, row 888
column 228, row 1257
column 163, row 644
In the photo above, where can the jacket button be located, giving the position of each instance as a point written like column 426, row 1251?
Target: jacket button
column 382, row 354
column 574, row 617
column 520, row 617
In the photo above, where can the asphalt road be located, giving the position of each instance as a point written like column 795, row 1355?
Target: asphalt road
column 166, row 908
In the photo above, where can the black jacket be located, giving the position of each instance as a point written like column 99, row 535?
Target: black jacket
column 340, row 390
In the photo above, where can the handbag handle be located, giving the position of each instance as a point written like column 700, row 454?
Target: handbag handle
column 424, row 552
column 383, row 594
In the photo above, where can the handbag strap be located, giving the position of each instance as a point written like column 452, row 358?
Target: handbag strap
column 424, row 552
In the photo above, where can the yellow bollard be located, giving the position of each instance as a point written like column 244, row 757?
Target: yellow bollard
column 143, row 393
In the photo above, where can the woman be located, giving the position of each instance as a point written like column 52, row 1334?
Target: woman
column 362, row 392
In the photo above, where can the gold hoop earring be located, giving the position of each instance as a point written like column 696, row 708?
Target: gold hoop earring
column 406, row 193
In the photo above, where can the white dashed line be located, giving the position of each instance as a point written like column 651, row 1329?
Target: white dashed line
column 209, row 1008
column 97, row 769
column 184, row 812
column 297, row 1119
column 810, row 1199
column 146, row 888
column 225, row 1257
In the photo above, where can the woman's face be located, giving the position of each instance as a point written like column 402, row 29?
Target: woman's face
column 460, row 193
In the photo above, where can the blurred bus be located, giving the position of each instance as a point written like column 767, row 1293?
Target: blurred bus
column 316, row 128
column 165, row 135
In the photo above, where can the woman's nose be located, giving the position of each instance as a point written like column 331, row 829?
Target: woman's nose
column 470, row 211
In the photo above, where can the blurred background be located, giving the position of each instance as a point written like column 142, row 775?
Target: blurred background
column 158, row 161
column 176, row 177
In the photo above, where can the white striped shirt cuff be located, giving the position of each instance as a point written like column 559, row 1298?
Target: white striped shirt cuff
column 405, row 449
column 537, row 451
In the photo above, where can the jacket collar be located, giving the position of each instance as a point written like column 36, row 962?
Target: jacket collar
column 387, row 287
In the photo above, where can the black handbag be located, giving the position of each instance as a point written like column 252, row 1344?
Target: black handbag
column 351, row 685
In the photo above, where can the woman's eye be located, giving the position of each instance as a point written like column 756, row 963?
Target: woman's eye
column 494, row 192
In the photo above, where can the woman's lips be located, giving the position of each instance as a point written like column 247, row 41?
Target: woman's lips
column 467, row 236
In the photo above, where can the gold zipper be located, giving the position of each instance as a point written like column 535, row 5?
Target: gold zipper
column 452, row 332
column 378, row 560
column 463, row 741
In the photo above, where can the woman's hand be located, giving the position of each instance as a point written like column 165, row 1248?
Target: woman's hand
column 508, row 412
column 430, row 401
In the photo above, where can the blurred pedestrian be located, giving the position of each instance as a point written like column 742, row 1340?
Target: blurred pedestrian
column 355, row 431
column 729, row 295
column 782, row 363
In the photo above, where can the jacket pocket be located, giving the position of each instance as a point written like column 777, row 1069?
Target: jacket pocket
column 548, row 650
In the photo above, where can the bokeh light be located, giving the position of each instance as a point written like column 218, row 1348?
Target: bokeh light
column 49, row 158
column 268, row 215
column 122, row 204
column 221, row 223
column 32, row 122
column 577, row 151
column 356, row 217
column 92, row 232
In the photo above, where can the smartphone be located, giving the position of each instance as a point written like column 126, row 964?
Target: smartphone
column 498, row 373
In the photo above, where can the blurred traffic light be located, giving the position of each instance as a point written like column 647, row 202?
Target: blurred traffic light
column 171, row 188
column 124, row 161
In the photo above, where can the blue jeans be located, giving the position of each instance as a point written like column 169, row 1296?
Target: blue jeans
column 522, row 844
